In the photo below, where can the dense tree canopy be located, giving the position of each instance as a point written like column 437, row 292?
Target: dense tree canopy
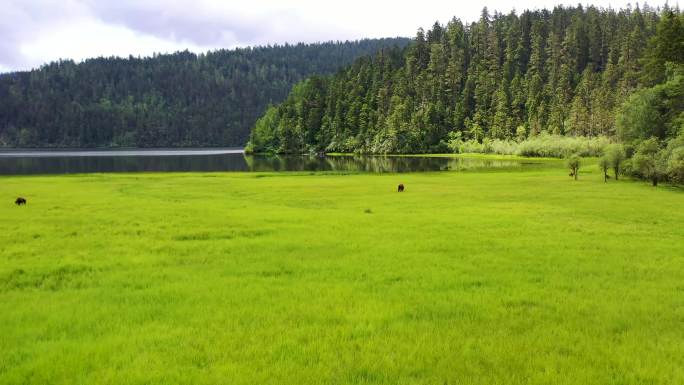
column 181, row 99
column 565, row 71
column 656, row 111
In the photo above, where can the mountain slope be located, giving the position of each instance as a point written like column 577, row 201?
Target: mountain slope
column 180, row 99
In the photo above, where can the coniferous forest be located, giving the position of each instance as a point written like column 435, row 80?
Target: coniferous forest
column 572, row 71
column 180, row 99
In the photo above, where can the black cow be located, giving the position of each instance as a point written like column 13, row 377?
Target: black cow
column 400, row 188
column 20, row 201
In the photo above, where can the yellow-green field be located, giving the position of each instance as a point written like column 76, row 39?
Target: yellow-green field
column 508, row 277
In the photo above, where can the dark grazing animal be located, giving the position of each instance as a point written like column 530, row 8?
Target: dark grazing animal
column 20, row 201
column 400, row 188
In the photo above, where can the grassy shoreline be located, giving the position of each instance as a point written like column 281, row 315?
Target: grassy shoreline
column 452, row 155
column 434, row 155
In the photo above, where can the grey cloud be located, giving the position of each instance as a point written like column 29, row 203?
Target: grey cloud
column 24, row 20
column 196, row 24
column 16, row 25
column 184, row 21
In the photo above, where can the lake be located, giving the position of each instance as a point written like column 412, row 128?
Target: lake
column 32, row 161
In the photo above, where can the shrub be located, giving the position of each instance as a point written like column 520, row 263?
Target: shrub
column 573, row 164
column 650, row 162
column 674, row 159
column 604, row 165
column 615, row 156
column 556, row 146
column 504, row 147
column 544, row 145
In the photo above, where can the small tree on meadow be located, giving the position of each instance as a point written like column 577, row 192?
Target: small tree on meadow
column 604, row 165
column 649, row 161
column 616, row 156
column 573, row 164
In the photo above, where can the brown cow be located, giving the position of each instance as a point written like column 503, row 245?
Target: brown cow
column 20, row 201
column 400, row 188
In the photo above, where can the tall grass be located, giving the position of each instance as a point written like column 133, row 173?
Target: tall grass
column 508, row 277
column 544, row 145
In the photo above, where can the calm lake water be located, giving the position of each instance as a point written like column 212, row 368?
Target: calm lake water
column 25, row 162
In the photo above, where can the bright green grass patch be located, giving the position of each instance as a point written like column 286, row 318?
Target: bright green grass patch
column 465, row 278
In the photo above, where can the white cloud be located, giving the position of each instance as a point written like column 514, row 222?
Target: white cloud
column 37, row 31
column 88, row 38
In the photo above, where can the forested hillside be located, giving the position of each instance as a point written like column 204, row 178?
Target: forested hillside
column 568, row 71
column 180, row 99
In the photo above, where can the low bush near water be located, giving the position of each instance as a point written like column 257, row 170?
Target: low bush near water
column 545, row 145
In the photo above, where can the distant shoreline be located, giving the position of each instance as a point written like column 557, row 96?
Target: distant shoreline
column 71, row 152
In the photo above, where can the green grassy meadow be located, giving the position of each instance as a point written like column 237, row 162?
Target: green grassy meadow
column 506, row 277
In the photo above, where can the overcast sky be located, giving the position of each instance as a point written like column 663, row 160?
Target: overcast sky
column 33, row 32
